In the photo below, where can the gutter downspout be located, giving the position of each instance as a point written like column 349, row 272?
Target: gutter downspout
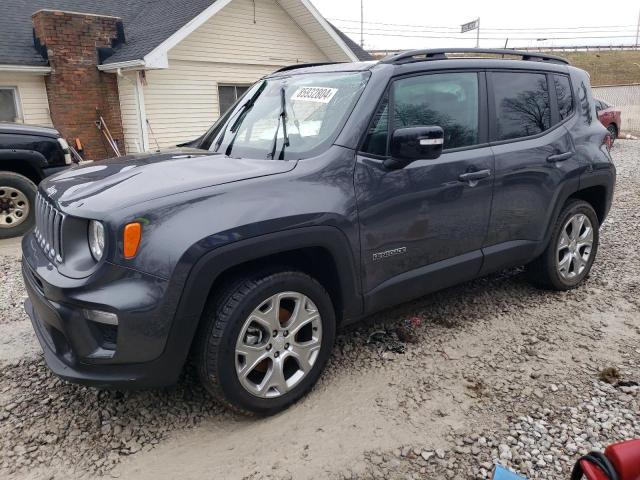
column 140, row 105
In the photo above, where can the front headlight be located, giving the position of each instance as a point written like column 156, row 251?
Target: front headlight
column 96, row 239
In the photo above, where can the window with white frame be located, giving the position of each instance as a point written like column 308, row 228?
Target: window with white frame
column 9, row 106
column 228, row 94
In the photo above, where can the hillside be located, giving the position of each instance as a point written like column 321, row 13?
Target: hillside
column 607, row 67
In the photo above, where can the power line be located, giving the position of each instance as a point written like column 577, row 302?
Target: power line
column 428, row 30
column 458, row 37
column 596, row 27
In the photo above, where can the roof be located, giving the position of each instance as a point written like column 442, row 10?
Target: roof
column 361, row 53
column 329, row 67
column 147, row 23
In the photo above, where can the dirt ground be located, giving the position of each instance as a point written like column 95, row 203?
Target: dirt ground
column 492, row 371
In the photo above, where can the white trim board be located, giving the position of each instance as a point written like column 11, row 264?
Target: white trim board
column 158, row 57
column 25, row 69
column 334, row 35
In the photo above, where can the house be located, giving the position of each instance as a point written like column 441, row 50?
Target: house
column 158, row 72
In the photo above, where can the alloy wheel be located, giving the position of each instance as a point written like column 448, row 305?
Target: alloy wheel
column 14, row 207
column 278, row 344
column 574, row 246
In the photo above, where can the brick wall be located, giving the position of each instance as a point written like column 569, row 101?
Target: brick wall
column 77, row 90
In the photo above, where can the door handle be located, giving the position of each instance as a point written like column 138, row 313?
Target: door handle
column 560, row 157
column 473, row 177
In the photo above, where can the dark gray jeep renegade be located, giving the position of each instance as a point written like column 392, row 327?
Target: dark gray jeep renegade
column 326, row 193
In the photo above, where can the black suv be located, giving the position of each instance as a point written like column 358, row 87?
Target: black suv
column 324, row 194
column 27, row 155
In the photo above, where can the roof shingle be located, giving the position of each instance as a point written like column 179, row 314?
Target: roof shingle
column 147, row 23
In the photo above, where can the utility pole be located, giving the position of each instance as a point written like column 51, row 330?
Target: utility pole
column 362, row 24
column 638, row 30
column 478, row 35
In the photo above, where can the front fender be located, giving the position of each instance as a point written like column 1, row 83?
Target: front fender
column 211, row 265
column 35, row 160
column 196, row 287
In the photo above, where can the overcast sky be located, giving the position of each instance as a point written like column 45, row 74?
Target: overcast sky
column 422, row 23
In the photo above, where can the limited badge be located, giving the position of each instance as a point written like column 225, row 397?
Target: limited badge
column 314, row 94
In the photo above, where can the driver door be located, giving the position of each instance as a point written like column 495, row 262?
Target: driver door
column 422, row 226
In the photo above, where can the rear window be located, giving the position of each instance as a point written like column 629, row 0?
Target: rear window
column 521, row 103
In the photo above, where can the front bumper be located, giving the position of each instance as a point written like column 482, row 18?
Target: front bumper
column 143, row 375
column 135, row 354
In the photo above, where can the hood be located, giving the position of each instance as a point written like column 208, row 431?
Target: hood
column 22, row 129
column 119, row 182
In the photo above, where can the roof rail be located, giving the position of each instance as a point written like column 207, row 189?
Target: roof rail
column 303, row 65
column 410, row 56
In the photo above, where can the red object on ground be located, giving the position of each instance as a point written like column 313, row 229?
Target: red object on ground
column 625, row 458
column 591, row 472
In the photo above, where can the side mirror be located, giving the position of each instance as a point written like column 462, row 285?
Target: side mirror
column 414, row 143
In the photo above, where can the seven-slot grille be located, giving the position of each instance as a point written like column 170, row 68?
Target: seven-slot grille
column 48, row 229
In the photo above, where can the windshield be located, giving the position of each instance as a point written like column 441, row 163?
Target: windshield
column 288, row 118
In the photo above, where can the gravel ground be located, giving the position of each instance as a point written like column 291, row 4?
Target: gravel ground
column 12, row 293
column 444, row 387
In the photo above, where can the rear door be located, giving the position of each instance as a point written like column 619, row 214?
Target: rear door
column 425, row 218
column 534, row 159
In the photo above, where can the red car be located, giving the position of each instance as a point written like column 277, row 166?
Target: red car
column 609, row 117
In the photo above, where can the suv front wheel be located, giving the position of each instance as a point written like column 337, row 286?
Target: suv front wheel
column 17, row 197
column 568, row 258
column 265, row 340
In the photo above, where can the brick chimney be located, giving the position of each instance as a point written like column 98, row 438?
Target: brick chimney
column 77, row 90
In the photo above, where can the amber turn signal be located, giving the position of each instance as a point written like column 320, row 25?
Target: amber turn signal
column 131, row 239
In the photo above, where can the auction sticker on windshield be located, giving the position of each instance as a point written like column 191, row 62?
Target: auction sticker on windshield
column 314, row 94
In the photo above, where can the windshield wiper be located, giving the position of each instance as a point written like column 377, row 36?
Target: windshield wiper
column 282, row 118
column 240, row 116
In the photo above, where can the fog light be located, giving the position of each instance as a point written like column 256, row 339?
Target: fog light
column 101, row 317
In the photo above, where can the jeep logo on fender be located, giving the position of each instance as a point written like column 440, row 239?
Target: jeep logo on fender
column 389, row 253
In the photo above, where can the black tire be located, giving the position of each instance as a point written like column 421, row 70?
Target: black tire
column 222, row 321
column 613, row 131
column 28, row 189
column 543, row 271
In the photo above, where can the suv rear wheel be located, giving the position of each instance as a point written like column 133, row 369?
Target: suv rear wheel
column 568, row 258
column 265, row 340
column 17, row 197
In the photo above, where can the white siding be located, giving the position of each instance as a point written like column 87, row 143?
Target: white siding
column 181, row 102
column 130, row 112
column 306, row 21
column 32, row 96
column 232, row 36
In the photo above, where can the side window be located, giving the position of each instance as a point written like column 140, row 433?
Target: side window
column 8, row 105
column 521, row 102
column 376, row 141
column 565, row 98
column 447, row 100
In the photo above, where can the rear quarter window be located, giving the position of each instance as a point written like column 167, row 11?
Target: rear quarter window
column 565, row 97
